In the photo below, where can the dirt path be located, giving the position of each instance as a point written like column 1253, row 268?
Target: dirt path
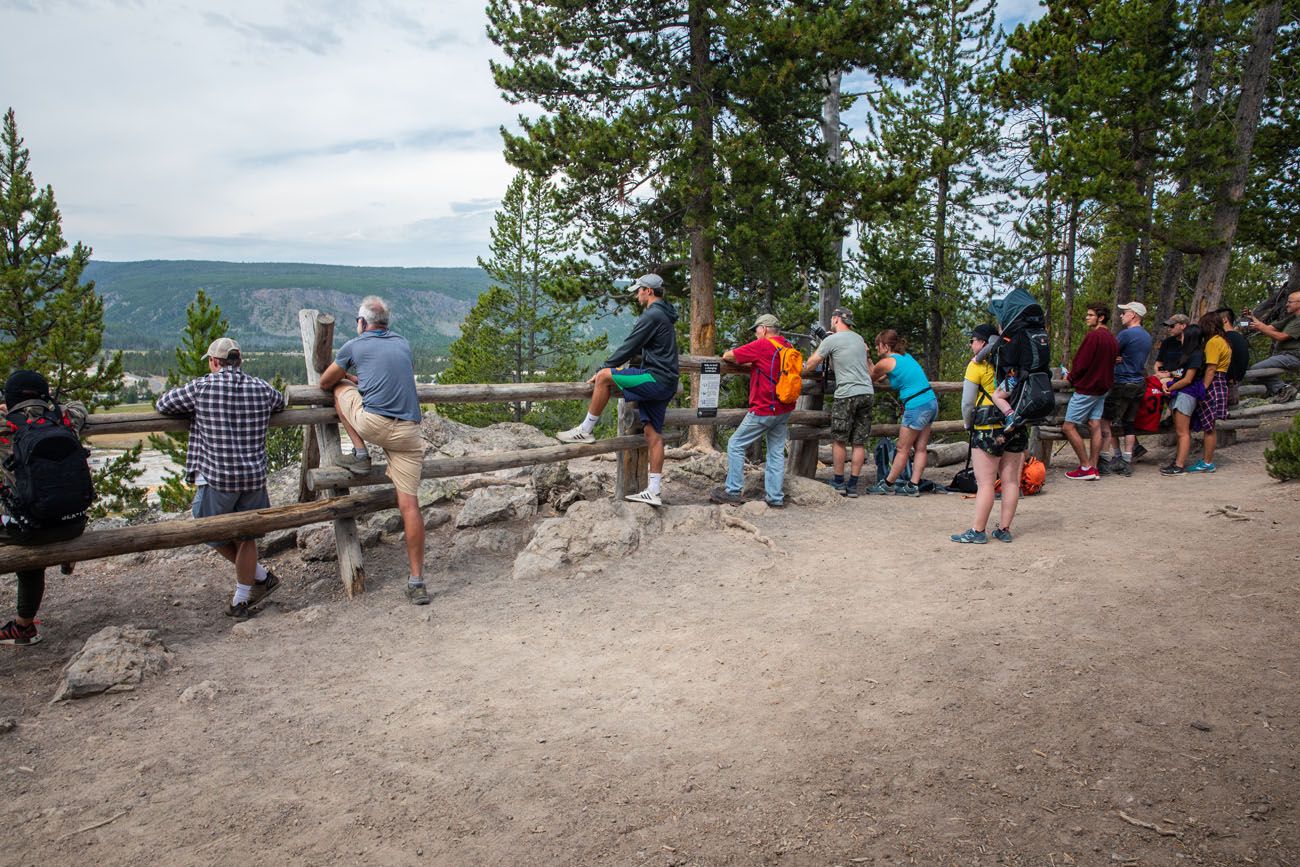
column 870, row 693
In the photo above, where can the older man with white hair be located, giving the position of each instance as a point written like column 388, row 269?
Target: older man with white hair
column 373, row 380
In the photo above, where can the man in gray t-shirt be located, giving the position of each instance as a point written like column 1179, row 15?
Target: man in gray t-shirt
column 846, row 351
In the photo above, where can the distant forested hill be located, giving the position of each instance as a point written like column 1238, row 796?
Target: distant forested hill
column 144, row 302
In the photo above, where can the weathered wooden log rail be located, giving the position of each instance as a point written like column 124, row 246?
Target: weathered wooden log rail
column 311, row 407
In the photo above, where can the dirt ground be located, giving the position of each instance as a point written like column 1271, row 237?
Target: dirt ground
column 1118, row 686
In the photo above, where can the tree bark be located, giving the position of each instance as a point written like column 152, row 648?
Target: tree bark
column 699, row 215
column 1227, row 205
column 1071, row 246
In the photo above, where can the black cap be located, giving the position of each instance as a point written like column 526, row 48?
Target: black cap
column 984, row 331
column 845, row 315
column 25, row 385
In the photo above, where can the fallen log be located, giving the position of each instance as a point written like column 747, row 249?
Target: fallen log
column 94, row 544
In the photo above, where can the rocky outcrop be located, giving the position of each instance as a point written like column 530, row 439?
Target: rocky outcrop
column 592, row 533
column 114, row 658
column 496, row 504
column 703, row 472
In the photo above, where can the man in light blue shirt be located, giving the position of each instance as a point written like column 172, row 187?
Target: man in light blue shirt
column 1125, row 396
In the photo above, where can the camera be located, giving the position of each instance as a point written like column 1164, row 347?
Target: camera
column 817, row 331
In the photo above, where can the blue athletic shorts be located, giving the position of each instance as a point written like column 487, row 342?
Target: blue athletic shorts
column 922, row 416
column 1084, row 408
column 651, row 395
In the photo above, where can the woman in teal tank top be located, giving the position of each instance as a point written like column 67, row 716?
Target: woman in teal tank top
column 920, row 408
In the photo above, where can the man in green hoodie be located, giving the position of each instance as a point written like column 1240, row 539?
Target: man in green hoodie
column 652, row 385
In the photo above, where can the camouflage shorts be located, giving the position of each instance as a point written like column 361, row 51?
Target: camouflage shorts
column 987, row 441
column 851, row 419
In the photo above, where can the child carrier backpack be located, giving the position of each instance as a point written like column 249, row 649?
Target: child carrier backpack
column 1029, row 354
column 51, row 488
column 787, row 372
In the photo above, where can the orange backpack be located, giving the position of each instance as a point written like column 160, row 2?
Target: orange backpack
column 788, row 380
column 1032, row 477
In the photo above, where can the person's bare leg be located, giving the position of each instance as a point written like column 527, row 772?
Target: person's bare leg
column 655, row 444
column 1211, row 440
column 838, row 454
column 1107, row 437
column 1130, row 443
column 413, row 528
column 1183, row 427
column 602, row 387
column 906, row 437
column 245, row 561
column 1010, row 466
column 859, row 458
column 922, row 448
column 227, row 550
column 1094, row 441
column 986, row 473
column 357, row 441
column 1071, row 433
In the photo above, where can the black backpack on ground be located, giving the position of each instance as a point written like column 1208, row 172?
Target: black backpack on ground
column 51, row 488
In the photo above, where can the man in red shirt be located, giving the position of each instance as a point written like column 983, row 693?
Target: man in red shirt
column 767, row 416
column 1092, row 373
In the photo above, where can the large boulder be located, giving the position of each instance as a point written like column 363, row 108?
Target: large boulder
column 489, row 540
column 316, row 542
column 451, row 439
column 497, row 503
column 595, row 531
column 114, row 658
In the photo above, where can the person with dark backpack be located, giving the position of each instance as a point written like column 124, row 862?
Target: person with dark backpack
column 45, row 484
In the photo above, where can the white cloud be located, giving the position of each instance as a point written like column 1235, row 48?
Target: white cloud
column 291, row 130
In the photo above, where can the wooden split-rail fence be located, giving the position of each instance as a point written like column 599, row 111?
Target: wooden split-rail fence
column 325, row 488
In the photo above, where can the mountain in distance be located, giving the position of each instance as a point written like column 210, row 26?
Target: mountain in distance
column 144, row 302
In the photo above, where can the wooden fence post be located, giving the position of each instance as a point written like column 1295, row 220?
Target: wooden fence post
column 310, row 461
column 318, row 351
column 803, row 453
column 633, row 475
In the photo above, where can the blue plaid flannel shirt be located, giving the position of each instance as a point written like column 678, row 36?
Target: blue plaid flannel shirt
column 228, row 435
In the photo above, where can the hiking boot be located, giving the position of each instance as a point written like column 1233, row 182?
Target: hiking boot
column 417, row 594
column 645, row 497
column 575, row 435
column 881, row 487
column 838, row 487
column 239, row 611
column 775, row 504
column 1285, row 394
column 358, row 465
column 1121, row 467
column 723, row 497
column 1172, row 470
column 1201, row 467
column 1002, row 535
column 1106, row 467
column 905, row 488
column 1138, row 451
column 850, row 491
column 263, row 589
column 1085, row 473
column 971, row 537
column 18, row 635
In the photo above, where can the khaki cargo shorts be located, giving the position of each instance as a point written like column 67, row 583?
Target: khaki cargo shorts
column 400, row 440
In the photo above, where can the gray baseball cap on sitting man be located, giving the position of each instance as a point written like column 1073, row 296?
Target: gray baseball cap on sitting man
column 766, row 320
column 221, row 348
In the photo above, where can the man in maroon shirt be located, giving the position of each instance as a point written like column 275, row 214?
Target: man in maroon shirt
column 1092, row 373
column 767, row 416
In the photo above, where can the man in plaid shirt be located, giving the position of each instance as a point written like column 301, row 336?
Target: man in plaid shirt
column 226, row 458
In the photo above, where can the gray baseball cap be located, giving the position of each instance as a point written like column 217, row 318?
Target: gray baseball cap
column 221, row 348
column 767, row 320
column 653, row 282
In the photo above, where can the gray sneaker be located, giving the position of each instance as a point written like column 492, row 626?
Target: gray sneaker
column 723, row 497
column 1285, row 394
column 359, row 466
column 881, row 487
column 1121, row 467
column 417, row 594
column 905, row 488
column 1106, row 466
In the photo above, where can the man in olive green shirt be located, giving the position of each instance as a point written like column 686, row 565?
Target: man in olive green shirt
column 1286, row 353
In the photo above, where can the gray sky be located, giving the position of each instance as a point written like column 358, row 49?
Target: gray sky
column 318, row 130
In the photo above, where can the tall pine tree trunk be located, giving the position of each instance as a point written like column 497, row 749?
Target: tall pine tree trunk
column 939, row 278
column 1227, row 205
column 1071, row 247
column 699, row 207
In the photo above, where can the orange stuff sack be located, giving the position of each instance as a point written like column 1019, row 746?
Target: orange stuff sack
column 1032, row 477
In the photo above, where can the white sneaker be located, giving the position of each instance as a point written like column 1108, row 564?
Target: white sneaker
column 645, row 497
column 575, row 435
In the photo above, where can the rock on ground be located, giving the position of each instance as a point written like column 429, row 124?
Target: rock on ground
column 112, row 657
column 498, row 503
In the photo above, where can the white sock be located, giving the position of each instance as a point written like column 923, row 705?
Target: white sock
column 1128, row 457
column 415, row 581
column 260, row 574
column 655, row 480
column 589, row 423
column 360, row 453
column 242, row 592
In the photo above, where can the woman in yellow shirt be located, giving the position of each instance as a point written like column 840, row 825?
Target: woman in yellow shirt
column 1218, row 355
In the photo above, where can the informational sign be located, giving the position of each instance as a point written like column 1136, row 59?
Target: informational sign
column 710, row 386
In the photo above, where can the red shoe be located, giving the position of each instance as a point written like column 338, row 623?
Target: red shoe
column 1085, row 473
column 17, row 634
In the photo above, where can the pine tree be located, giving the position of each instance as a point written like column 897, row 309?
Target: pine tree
column 521, row 330
column 203, row 324
column 50, row 321
column 283, row 444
